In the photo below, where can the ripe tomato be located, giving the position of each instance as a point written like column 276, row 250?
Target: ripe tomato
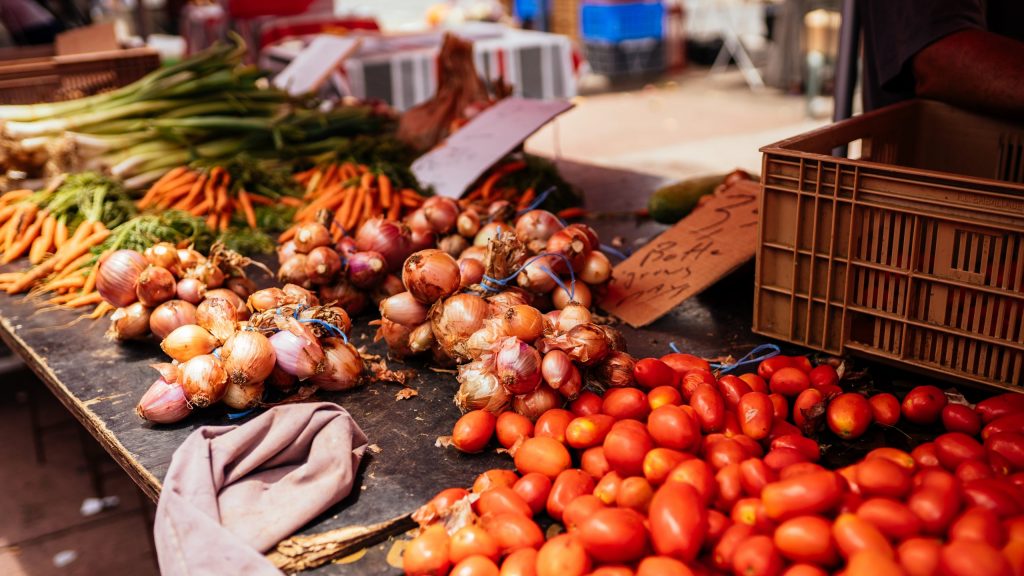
column 924, row 455
column 501, row 499
column 717, row 524
column 635, row 493
column 804, row 570
column 756, row 414
column 960, row 418
column 1014, row 552
column 732, row 389
column 473, row 430
column 806, row 446
column 751, row 511
column 725, row 549
column 709, row 407
column 998, row 406
column 972, row 470
column 892, row 518
column 673, row 427
column 755, row 475
column 694, row 379
column 971, row 558
column 806, row 539
column 472, row 540
column 475, row 566
column 493, row 478
column 723, row 452
column 873, row 563
column 978, row 524
column 625, row 447
column 854, row 534
column 1009, row 446
column 623, row 403
column 563, row 555
column 880, row 477
column 513, row 531
column 594, row 463
column 935, row 507
column 651, row 373
column 769, row 366
column 801, row 362
column 952, row 448
column 812, row 493
column 552, row 424
column 569, row 485
column 545, row 455
column 613, row 535
column 923, row 404
column 780, row 406
column 698, row 475
column 511, row 427
column 683, row 363
column 848, row 415
column 1009, row 423
column 586, row 403
column 823, row 375
column 662, row 566
column 782, row 458
column 533, row 488
column 439, row 504
column 522, row 562
column 679, row 521
column 920, row 556
column 613, row 571
column 809, row 410
column 428, row 553
column 607, row 488
column 894, row 455
column 729, row 487
column 660, row 461
column 752, row 448
column 1001, row 497
column 757, row 556
column 587, row 431
column 789, row 381
column 579, row 510
column 663, row 395
column 799, row 469
column 781, row 428
column 756, row 383
column 885, row 409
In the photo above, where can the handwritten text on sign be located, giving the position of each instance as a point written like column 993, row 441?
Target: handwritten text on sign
column 715, row 239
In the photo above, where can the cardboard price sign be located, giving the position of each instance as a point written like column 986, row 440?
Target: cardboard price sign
column 315, row 63
column 712, row 241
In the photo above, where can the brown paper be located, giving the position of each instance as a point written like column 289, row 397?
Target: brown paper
column 95, row 38
column 712, row 241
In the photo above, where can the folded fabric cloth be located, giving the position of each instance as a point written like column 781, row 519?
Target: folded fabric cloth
column 233, row 492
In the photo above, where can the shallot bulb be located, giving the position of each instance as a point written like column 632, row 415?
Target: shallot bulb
column 129, row 323
column 525, row 322
column 281, row 380
column 455, row 319
column 587, row 344
column 537, row 402
column 431, row 275
column 241, row 286
column 614, row 371
column 155, row 285
column 343, row 366
column 441, row 212
column 189, row 258
column 390, row 239
column 267, row 299
column 286, row 251
column 322, row 264
column 517, row 366
column 396, row 336
column 217, row 316
column 117, row 276
column 163, row 403
column 592, row 237
column 188, row 341
column 164, row 255
column 580, row 294
column 191, row 290
column 421, row 339
column 421, row 240
column 241, row 311
column 537, row 276
column 299, row 295
column 345, row 295
column 248, row 358
column 478, row 253
column 572, row 315
column 487, row 338
column 557, row 368
column 366, row 270
column 298, row 351
column 572, row 243
column 501, row 211
column 346, row 247
column 488, row 232
column 293, row 271
column 404, row 309
column 453, row 245
column 467, row 224
column 501, row 302
column 203, row 379
column 238, row 397
column 333, row 315
column 169, row 316
column 391, row 286
column 597, row 269
column 479, row 389
column 310, row 235
column 209, row 274
column 418, row 223
column 471, row 271
column 535, row 227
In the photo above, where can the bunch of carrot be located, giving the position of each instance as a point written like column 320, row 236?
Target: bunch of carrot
column 209, row 193
column 353, row 193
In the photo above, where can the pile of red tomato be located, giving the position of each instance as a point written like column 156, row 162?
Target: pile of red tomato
column 689, row 474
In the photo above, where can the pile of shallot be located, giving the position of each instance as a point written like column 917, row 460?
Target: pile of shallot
column 289, row 340
column 165, row 287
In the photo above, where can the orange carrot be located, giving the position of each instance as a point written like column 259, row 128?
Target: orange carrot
column 357, row 209
column 92, row 240
column 395, row 210
column 23, row 242
column 84, row 300
column 289, row 201
column 250, row 215
column 384, row 183
column 42, row 244
column 569, row 213
column 13, row 196
column 60, row 235
column 287, row 235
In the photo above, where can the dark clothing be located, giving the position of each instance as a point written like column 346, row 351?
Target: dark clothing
column 896, row 30
column 45, row 34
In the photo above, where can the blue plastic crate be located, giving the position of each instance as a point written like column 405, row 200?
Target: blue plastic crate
column 618, row 21
column 527, row 9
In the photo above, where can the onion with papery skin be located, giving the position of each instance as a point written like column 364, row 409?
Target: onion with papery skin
column 487, row 338
column 267, row 299
column 217, row 316
column 343, row 366
column 285, row 252
column 345, row 295
column 532, row 405
column 190, row 258
column 454, row 319
column 431, row 275
column 418, row 223
column 117, row 276
column 614, row 371
column 391, row 286
column 517, row 366
column 248, row 358
column 299, row 295
column 467, row 224
column 572, row 315
column 168, row 371
column 293, row 271
column 241, row 311
column 421, row 339
column 479, row 389
column 298, row 351
column 422, row 240
column 441, row 212
column 572, row 243
column 487, row 233
column 164, row 255
column 453, row 245
column 475, row 253
column 597, row 269
column 580, row 294
column 346, row 247
column 129, row 323
column 203, row 379
column 390, row 239
column 396, row 336
column 404, row 309
column 155, row 285
column 535, row 278
column 556, row 368
column 333, row 315
column 209, row 273
column 238, row 397
column 310, row 235
column 573, row 385
column 281, row 380
column 191, row 290
column 592, row 238
column 163, row 403
column 501, row 211
column 241, row 286
column 366, row 270
column 187, row 342
column 501, row 302
column 535, row 227
column 524, row 322
column 322, row 264
column 471, row 271
column 616, row 341
column 587, row 344
column 170, row 315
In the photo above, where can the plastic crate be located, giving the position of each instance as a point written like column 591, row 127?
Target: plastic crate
column 626, row 58
column 618, row 21
column 527, row 9
column 912, row 254
column 32, row 75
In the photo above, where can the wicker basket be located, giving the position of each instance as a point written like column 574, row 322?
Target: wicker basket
column 32, row 75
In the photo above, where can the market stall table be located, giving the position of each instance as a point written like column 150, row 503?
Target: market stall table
column 100, row 382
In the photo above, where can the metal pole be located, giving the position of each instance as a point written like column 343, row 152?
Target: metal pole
column 846, row 66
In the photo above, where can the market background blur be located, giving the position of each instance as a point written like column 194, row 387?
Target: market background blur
column 658, row 104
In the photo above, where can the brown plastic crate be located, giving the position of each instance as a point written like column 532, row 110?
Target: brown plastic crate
column 32, row 75
column 913, row 253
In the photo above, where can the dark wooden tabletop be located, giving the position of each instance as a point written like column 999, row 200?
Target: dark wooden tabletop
column 100, row 382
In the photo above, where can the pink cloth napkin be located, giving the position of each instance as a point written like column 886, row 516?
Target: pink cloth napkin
column 233, row 492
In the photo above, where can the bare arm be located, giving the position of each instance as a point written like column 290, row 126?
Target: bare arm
column 973, row 69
